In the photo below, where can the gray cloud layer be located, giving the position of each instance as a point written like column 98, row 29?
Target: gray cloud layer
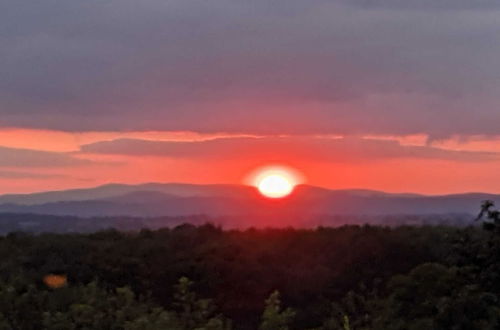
column 429, row 4
column 11, row 157
column 27, row 175
column 312, row 149
column 362, row 66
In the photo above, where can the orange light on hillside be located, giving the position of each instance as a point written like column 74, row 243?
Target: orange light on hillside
column 55, row 281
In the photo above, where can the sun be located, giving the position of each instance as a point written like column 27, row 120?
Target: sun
column 275, row 186
column 275, row 182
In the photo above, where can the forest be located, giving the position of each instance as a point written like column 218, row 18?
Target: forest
column 43, row 223
column 355, row 277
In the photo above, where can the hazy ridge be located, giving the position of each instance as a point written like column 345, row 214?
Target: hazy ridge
column 175, row 199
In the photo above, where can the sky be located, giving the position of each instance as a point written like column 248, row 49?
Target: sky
column 394, row 95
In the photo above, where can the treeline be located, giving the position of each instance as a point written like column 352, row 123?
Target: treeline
column 38, row 223
column 202, row 277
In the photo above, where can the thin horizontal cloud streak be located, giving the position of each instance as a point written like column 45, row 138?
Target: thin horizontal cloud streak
column 11, row 157
column 313, row 149
column 5, row 174
column 60, row 141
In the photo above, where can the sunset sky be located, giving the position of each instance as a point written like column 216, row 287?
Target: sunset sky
column 393, row 95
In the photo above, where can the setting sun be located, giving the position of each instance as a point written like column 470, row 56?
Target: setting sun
column 275, row 181
column 275, row 186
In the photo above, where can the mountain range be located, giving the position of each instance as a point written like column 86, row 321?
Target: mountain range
column 218, row 200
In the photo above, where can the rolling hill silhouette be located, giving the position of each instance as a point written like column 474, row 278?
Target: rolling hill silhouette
column 174, row 199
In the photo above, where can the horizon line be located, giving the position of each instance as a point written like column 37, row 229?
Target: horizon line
column 247, row 185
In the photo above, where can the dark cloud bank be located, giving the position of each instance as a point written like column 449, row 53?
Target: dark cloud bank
column 388, row 67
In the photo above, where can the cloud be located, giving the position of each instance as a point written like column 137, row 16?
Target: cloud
column 60, row 141
column 338, row 150
column 11, row 157
column 28, row 175
column 271, row 67
column 428, row 4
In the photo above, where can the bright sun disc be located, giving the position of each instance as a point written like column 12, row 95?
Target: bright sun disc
column 275, row 186
column 275, row 181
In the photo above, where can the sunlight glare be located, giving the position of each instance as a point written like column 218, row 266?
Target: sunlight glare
column 275, row 182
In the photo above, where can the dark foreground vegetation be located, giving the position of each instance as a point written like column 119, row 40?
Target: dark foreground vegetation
column 352, row 277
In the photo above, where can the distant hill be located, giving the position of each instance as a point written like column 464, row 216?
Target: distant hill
column 114, row 190
column 156, row 200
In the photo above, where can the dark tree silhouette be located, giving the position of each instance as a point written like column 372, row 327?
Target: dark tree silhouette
column 492, row 216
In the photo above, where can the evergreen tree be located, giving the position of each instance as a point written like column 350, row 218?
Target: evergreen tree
column 194, row 313
column 274, row 317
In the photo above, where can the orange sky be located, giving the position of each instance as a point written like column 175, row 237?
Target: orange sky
column 38, row 160
column 354, row 94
